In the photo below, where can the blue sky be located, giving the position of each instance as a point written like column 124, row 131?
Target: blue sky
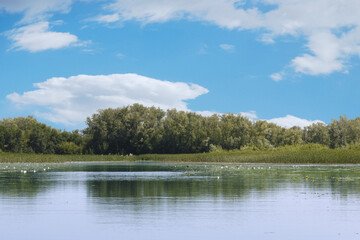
column 291, row 62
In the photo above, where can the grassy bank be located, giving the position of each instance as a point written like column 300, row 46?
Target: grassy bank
column 292, row 155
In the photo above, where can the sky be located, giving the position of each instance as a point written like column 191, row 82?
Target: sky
column 291, row 62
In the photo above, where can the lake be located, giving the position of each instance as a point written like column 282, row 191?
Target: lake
column 149, row 200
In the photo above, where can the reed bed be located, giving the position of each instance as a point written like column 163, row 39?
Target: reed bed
column 287, row 155
column 53, row 158
column 328, row 156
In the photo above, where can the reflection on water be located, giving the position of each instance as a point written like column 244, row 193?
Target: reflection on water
column 145, row 200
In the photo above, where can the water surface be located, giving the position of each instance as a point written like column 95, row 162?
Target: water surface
column 145, row 200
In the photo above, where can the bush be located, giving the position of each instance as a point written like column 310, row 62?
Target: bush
column 215, row 148
column 69, row 148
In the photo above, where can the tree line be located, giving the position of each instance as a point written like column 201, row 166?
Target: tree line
column 139, row 130
column 27, row 135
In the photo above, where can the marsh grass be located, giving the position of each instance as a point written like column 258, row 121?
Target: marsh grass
column 53, row 158
column 304, row 154
column 291, row 157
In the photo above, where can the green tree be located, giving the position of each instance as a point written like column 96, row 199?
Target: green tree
column 317, row 133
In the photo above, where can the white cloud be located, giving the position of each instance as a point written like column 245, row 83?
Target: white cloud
column 277, row 76
column 38, row 37
column 250, row 115
column 324, row 24
column 110, row 18
column 35, row 10
column 227, row 47
column 315, row 65
column 287, row 122
column 219, row 12
column 207, row 113
column 71, row 100
column 326, row 58
column 267, row 38
column 330, row 27
column 291, row 121
column 35, row 34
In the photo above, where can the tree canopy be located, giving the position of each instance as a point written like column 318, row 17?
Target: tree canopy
column 139, row 130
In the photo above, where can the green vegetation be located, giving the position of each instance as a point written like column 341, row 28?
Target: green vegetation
column 56, row 158
column 287, row 155
column 143, row 130
column 301, row 154
column 27, row 135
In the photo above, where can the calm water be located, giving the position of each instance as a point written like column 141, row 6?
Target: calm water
column 178, row 201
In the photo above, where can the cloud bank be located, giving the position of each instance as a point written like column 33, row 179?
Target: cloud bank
column 71, row 100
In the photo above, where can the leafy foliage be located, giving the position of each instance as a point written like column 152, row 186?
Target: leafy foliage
column 27, row 135
column 141, row 130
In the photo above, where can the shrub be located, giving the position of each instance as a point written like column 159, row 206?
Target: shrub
column 69, row 148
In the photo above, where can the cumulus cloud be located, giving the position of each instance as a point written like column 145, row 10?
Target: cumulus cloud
column 38, row 37
column 71, row 100
column 326, row 58
column 290, row 121
column 331, row 27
